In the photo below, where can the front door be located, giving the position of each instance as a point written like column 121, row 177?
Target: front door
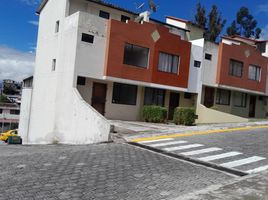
column 252, row 106
column 99, row 97
column 209, row 97
column 174, row 102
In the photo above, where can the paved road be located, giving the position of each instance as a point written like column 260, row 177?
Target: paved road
column 241, row 150
column 107, row 171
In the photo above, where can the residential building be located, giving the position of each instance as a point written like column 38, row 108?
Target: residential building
column 96, row 61
column 9, row 116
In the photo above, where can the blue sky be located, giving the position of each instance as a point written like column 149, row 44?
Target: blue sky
column 18, row 23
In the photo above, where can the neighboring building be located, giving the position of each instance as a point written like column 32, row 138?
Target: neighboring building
column 94, row 56
column 9, row 116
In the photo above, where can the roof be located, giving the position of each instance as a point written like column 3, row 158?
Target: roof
column 185, row 21
column 243, row 39
column 101, row 2
column 28, row 78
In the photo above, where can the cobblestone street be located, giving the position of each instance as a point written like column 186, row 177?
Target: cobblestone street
column 106, row 171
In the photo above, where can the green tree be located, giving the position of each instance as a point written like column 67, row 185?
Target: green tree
column 200, row 16
column 215, row 24
column 244, row 25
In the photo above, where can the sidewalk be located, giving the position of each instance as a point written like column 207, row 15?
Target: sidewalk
column 253, row 187
column 128, row 131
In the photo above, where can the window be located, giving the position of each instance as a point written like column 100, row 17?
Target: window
column 124, row 18
column 124, row 94
column 1, row 111
column 154, row 96
column 223, row 97
column 240, row 99
column 87, row 38
column 136, row 55
column 197, row 64
column 57, row 26
column 168, row 63
column 54, row 64
column 187, row 95
column 254, row 73
column 104, row 14
column 81, row 80
column 14, row 112
column 235, row 68
column 208, row 56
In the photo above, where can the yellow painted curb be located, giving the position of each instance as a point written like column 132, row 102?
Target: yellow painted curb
column 176, row 135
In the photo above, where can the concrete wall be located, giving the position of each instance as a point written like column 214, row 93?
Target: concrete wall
column 207, row 115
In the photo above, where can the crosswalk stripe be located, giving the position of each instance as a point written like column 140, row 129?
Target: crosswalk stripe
column 167, row 143
column 242, row 161
column 220, row 156
column 201, row 151
column 159, row 140
column 259, row 169
column 183, row 147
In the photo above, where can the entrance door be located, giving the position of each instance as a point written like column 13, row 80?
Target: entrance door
column 99, row 97
column 252, row 106
column 209, row 97
column 174, row 102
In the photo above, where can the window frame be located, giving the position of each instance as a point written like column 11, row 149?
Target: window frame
column 199, row 63
column 232, row 68
column 256, row 74
column 118, row 99
column 125, row 18
column 243, row 101
column 81, row 80
column 219, row 98
column 208, row 58
column 87, row 38
column 103, row 14
column 154, row 93
column 173, row 57
column 14, row 112
column 134, row 65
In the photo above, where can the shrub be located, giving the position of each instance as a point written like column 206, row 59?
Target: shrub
column 185, row 116
column 155, row 114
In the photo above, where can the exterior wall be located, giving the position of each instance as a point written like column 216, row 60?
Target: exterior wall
column 140, row 34
column 209, row 71
column 238, row 52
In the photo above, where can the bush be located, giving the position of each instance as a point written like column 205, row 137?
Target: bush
column 185, row 116
column 155, row 114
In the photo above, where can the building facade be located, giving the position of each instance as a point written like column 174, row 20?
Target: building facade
column 9, row 116
column 96, row 61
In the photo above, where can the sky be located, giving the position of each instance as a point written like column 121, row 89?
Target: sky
column 19, row 26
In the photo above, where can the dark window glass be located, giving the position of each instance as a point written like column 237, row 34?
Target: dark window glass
column 223, row 97
column 54, row 61
column 87, row 38
column 168, row 63
column 57, row 26
column 1, row 111
column 104, row 14
column 197, row 63
column 240, row 99
column 124, row 94
column 236, row 68
column 136, row 56
column 124, row 18
column 154, row 96
column 187, row 95
column 208, row 56
column 81, row 80
column 14, row 112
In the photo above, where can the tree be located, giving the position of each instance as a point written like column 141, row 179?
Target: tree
column 200, row 16
column 213, row 23
column 244, row 25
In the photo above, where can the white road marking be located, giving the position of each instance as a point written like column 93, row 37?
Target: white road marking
column 183, row 147
column 167, row 143
column 259, row 169
column 159, row 140
column 201, row 151
column 220, row 156
column 242, row 161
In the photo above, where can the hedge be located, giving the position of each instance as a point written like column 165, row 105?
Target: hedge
column 154, row 114
column 185, row 116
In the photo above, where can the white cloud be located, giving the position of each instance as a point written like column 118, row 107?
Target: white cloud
column 15, row 64
column 35, row 23
column 264, row 33
column 263, row 8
